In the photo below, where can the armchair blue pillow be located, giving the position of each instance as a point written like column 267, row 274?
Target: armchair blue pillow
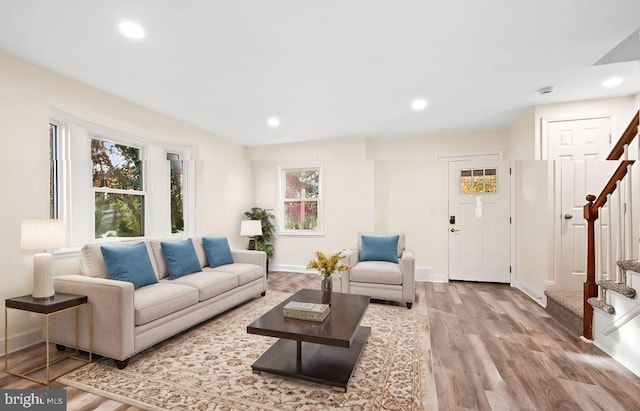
column 376, row 248
column 129, row 263
column 217, row 250
column 180, row 257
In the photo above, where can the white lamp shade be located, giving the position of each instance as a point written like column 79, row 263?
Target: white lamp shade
column 42, row 234
column 250, row 228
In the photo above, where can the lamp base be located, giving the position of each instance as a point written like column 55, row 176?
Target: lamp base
column 252, row 244
column 42, row 277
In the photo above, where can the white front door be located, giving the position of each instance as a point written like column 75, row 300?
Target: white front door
column 577, row 146
column 479, row 232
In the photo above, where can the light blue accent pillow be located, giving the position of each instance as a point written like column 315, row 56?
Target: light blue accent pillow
column 217, row 250
column 129, row 263
column 375, row 248
column 180, row 257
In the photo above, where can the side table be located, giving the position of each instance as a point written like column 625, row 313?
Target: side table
column 51, row 306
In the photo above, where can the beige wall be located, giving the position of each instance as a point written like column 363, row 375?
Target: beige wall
column 533, row 226
column 522, row 136
column 383, row 185
column 26, row 95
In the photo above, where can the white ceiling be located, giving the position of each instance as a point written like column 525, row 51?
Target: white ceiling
column 330, row 68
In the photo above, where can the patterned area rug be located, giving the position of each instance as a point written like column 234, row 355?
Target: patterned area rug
column 209, row 368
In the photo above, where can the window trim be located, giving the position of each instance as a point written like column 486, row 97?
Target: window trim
column 282, row 170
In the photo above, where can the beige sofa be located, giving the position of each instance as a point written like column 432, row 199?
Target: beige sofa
column 126, row 321
column 384, row 280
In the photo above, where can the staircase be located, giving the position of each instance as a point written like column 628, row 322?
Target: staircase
column 616, row 319
column 611, row 309
column 607, row 311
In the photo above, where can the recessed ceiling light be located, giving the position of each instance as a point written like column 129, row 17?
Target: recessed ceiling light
column 131, row 29
column 418, row 104
column 273, row 122
column 612, row 82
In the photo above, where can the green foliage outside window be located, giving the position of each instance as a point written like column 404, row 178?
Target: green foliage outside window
column 117, row 168
column 177, row 210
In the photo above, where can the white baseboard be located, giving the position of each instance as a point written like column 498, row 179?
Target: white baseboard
column 423, row 273
column 23, row 340
column 535, row 295
column 290, row 268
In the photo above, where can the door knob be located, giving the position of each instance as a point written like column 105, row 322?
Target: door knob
column 568, row 216
column 453, row 230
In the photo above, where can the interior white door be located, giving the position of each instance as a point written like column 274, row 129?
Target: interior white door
column 580, row 139
column 579, row 178
column 577, row 146
column 479, row 233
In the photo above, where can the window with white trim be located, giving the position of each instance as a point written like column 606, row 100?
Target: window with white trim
column 176, row 197
column 118, row 189
column 53, row 170
column 300, row 200
column 120, row 185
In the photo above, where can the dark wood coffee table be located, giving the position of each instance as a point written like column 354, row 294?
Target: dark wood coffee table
column 331, row 348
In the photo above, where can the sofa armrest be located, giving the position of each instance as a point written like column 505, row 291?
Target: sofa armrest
column 349, row 256
column 408, row 268
column 112, row 316
column 250, row 257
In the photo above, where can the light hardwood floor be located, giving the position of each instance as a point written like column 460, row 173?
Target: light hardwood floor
column 492, row 348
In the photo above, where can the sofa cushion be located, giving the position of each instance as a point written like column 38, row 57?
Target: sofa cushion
column 130, row 264
column 207, row 283
column 381, row 272
column 218, row 251
column 160, row 299
column 245, row 272
column 93, row 261
column 180, row 258
column 379, row 248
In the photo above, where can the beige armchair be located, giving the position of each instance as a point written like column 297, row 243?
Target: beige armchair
column 380, row 271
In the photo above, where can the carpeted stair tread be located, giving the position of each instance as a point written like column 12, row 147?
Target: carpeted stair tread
column 629, row 265
column 567, row 308
column 621, row 289
column 571, row 300
column 601, row 305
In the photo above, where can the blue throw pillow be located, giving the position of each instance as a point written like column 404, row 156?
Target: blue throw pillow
column 376, row 248
column 129, row 263
column 180, row 257
column 217, row 250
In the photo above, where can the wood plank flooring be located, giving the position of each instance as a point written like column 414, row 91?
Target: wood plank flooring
column 492, row 348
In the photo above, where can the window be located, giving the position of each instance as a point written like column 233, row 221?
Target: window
column 478, row 181
column 120, row 185
column 300, row 199
column 53, row 170
column 176, row 196
column 117, row 184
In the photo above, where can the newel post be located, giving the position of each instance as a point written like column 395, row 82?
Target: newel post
column 590, row 286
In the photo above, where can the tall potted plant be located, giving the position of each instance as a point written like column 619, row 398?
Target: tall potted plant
column 263, row 242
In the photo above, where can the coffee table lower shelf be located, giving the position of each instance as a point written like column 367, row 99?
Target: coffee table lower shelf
column 318, row 363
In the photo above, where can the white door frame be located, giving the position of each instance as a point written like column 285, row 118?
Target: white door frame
column 497, row 155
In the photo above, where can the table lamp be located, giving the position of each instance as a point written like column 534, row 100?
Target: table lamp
column 251, row 228
column 42, row 234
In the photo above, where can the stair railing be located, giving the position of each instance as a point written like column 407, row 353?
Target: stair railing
column 619, row 240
